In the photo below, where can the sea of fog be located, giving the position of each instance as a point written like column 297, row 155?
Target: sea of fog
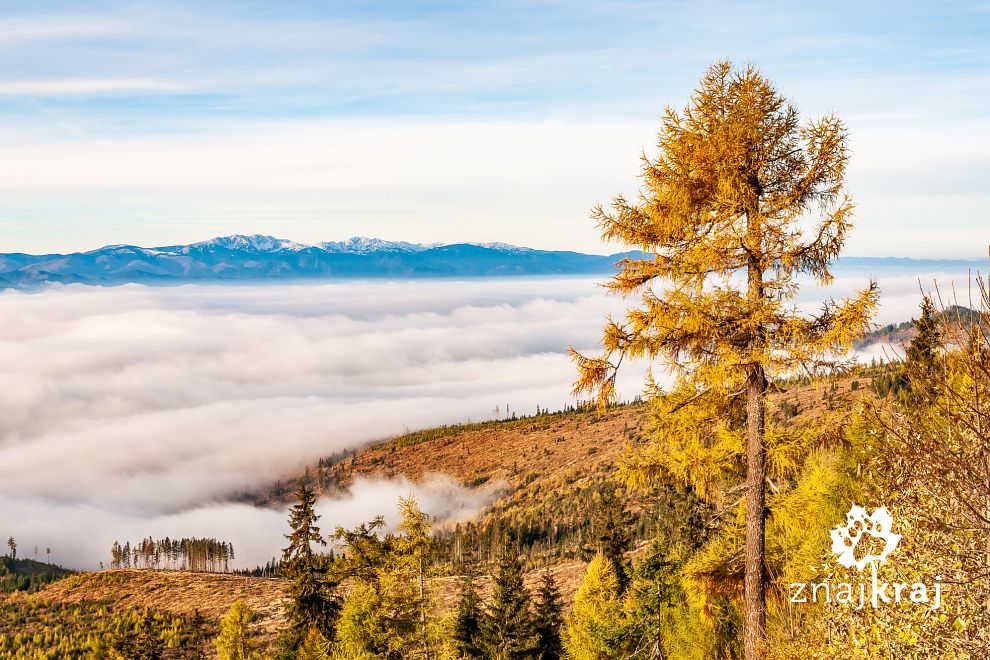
column 134, row 411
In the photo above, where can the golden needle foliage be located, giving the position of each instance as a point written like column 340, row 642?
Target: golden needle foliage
column 737, row 183
column 234, row 640
column 597, row 614
column 740, row 200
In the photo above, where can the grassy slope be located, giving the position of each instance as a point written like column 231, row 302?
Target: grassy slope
column 538, row 458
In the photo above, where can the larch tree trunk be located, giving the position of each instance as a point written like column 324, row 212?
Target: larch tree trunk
column 754, row 592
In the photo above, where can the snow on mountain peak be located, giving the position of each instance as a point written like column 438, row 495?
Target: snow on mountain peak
column 364, row 245
column 254, row 243
column 503, row 247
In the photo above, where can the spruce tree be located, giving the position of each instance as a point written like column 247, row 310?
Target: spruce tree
column 507, row 625
column 921, row 354
column 654, row 593
column 313, row 601
column 549, row 619
column 467, row 633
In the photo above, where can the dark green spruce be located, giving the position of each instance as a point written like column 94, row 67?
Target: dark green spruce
column 549, row 619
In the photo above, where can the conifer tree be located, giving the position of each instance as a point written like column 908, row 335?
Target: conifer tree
column 313, row 601
column 468, row 634
column 921, row 355
column 507, row 625
column 549, row 619
column 363, row 629
column 654, row 591
column 234, row 640
column 611, row 533
column 415, row 545
column 740, row 200
column 594, row 626
column 148, row 644
column 314, row 647
column 384, row 613
column 467, row 622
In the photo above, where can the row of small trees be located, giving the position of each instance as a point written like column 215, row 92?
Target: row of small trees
column 186, row 554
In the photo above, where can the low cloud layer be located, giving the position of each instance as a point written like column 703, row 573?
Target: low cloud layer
column 135, row 411
column 80, row 533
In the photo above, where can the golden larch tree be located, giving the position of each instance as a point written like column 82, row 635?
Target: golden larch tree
column 740, row 200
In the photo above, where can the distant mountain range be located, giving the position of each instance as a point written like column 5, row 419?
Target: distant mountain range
column 259, row 257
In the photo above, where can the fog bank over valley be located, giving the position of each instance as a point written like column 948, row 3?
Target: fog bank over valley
column 133, row 411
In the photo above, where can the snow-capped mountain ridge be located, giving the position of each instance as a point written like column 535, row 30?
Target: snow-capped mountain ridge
column 265, row 243
column 251, row 243
column 504, row 247
column 365, row 245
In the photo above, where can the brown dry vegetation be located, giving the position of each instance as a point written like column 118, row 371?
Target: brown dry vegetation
column 526, row 451
column 209, row 594
column 516, row 453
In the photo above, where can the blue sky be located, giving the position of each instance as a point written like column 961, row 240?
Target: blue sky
column 161, row 123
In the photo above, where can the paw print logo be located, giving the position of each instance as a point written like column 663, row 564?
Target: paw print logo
column 860, row 525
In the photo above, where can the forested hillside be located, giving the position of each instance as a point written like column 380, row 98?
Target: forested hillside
column 27, row 574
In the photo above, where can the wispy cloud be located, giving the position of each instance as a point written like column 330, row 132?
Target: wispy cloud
column 84, row 86
column 58, row 28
